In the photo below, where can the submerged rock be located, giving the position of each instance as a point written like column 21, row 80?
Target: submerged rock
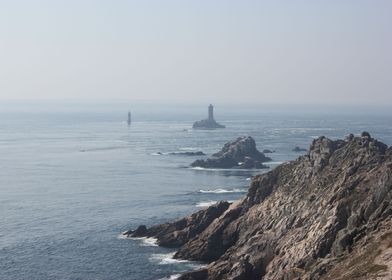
column 240, row 153
column 199, row 153
column 326, row 215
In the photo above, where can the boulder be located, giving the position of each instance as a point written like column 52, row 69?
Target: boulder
column 240, row 153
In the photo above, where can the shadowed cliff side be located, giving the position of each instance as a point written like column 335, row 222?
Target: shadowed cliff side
column 326, row 215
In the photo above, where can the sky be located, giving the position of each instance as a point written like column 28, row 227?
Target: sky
column 204, row 51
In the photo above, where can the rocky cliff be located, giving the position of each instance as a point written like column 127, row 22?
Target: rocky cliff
column 326, row 215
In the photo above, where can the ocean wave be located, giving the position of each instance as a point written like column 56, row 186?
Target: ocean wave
column 150, row 241
column 248, row 179
column 206, row 203
column 164, row 259
column 226, row 169
column 171, row 277
column 146, row 241
column 103, row 149
column 222, row 190
column 274, row 162
column 189, row 149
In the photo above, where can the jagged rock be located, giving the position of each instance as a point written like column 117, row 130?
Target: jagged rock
column 267, row 151
column 298, row 149
column 177, row 233
column 326, row 215
column 240, row 153
column 366, row 134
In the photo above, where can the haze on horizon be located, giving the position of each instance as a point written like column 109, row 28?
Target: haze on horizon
column 278, row 52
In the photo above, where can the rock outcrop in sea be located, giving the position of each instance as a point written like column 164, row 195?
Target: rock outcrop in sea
column 298, row 149
column 326, row 215
column 240, row 153
column 208, row 123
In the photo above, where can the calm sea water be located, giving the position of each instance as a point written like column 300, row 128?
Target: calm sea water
column 71, row 183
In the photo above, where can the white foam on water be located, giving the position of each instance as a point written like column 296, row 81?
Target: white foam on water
column 248, row 179
column 171, row 277
column 164, row 259
column 226, row 169
column 198, row 168
column 222, row 190
column 206, row 203
column 122, row 236
column 189, row 149
column 146, row 241
column 274, row 162
column 150, row 241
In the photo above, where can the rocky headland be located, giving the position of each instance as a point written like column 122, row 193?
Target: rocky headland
column 326, row 215
column 240, row 153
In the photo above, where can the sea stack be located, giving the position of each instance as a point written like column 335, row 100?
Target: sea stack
column 240, row 153
column 208, row 123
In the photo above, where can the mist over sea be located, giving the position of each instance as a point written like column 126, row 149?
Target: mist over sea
column 72, row 181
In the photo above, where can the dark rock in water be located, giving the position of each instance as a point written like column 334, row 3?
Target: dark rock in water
column 240, row 153
column 326, row 215
column 209, row 123
column 298, row 149
column 366, row 134
column 139, row 232
column 199, row 153
column 266, row 151
column 250, row 163
column 177, row 233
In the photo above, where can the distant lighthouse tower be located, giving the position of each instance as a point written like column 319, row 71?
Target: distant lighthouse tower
column 211, row 112
column 129, row 118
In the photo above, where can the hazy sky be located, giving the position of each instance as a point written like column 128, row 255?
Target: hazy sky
column 323, row 52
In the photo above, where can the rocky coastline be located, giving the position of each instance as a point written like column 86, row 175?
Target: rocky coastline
column 326, row 215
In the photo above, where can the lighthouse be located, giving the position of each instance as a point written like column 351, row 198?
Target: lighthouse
column 209, row 123
column 211, row 112
column 129, row 118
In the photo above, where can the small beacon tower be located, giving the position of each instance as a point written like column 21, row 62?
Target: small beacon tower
column 210, row 112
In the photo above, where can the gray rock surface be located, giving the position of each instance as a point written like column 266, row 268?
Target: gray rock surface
column 326, row 215
column 240, row 153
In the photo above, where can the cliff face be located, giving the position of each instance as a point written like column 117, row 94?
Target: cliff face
column 326, row 215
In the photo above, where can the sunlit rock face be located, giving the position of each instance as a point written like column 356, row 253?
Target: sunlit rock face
column 326, row 215
column 240, row 153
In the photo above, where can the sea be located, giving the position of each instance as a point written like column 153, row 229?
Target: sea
column 72, row 181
